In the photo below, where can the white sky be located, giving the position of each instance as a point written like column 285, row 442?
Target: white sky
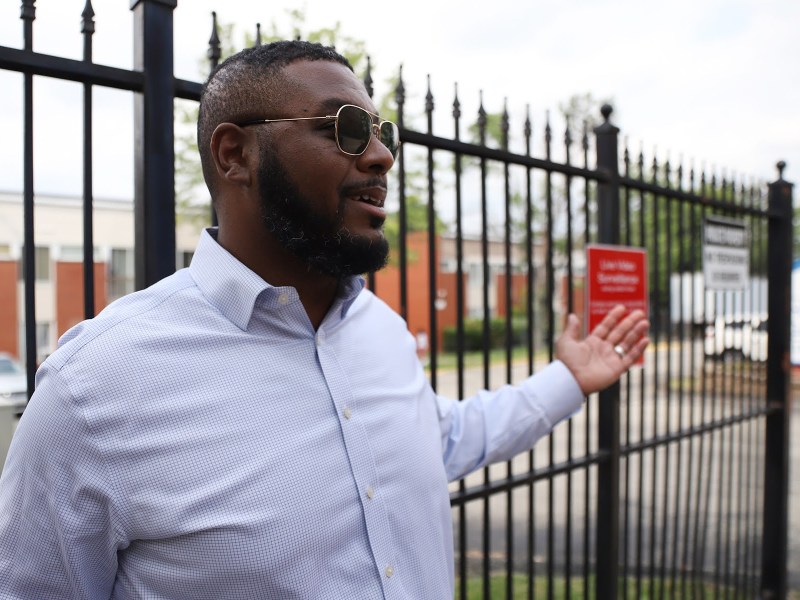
column 713, row 81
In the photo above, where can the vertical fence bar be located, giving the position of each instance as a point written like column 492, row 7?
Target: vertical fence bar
column 626, row 204
column 370, row 91
column 462, row 510
column 504, row 128
column 607, row 559
column 776, row 455
column 486, row 359
column 570, row 309
column 531, row 345
column 642, row 384
column 28, row 14
column 87, row 29
column 400, row 99
column 548, row 137
column 154, row 172
column 588, row 407
column 656, row 321
column 433, row 328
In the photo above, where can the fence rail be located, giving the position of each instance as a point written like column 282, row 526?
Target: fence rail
column 672, row 482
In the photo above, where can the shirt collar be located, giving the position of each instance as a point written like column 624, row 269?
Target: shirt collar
column 234, row 289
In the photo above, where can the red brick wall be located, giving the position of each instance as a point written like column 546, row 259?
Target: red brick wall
column 387, row 287
column 69, row 293
column 9, row 327
column 518, row 293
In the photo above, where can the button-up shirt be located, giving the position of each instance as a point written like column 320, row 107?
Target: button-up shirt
column 200, row 439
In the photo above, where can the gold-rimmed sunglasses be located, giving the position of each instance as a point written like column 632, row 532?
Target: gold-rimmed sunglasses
column 354, row 129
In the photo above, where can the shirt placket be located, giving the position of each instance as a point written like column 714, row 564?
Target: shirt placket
column 363, row 467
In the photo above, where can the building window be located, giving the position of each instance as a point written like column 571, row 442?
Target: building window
column 121, row 275
column 41, row 263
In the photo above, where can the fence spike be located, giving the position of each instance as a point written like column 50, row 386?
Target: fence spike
column 87, row 21
column 640, row 162
column 504, row 124
column 567, row 132
column 482, row 119
column 548, row 132
column 400, row 90
column 528, row 126
column 368, row 78
column 258, row 34
column 429, row 98
column 214, row 51
column 28, row 10
column 585, row 136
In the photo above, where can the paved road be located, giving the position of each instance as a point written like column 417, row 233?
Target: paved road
column 729, row 460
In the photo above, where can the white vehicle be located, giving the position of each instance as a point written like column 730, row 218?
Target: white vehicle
column 13, row 382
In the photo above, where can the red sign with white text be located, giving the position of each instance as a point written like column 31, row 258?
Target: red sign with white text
column 615, row 275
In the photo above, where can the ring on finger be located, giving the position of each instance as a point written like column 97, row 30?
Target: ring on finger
column 619, row 350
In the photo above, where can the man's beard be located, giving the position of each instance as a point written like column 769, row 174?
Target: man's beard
column 322, row 241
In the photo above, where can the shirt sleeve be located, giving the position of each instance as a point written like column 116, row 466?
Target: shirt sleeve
column 494, row 426
column 57, row 533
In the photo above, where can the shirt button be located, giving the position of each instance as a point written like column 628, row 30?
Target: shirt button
column 370, row 492
column 389, row 570
column 347, row 412
column 283, row 299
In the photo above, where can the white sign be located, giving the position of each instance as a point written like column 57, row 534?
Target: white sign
column 726, row 256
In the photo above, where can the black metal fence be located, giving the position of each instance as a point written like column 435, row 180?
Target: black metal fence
column 673, row 482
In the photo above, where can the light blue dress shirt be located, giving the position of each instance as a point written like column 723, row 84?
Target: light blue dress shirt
column 199, row 439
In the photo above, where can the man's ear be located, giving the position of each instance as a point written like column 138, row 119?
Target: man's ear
column 234, row 153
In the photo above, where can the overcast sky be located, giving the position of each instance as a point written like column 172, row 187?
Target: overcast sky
column 712, row 81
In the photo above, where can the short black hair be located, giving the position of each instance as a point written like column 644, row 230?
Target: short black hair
column 235, row 91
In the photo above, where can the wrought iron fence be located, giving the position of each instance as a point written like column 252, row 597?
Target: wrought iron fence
column 672, row 482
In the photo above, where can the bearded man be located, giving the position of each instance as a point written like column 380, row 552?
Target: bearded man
column 258, row 425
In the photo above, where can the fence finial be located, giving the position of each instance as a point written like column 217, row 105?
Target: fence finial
column 400, row 90
column 214, row 51
column 429, row 97
column 781, row 166
column 368, row 78
column 28, row 10
column 258, row 34
column 87, row 24
column 606, row 111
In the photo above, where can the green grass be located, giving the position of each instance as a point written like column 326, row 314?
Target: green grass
column 497, row 588
column 448, row 360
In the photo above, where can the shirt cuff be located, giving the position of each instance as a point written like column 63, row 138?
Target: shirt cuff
column 556, row 391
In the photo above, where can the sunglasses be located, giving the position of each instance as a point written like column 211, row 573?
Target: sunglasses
column 354, row 129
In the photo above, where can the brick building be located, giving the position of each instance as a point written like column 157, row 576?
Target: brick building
column 59, row 270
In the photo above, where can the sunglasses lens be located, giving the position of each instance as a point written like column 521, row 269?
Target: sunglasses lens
column 390, row 136
column 354, row 129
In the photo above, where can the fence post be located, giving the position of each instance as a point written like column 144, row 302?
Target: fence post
column 776, row 458
column 154, row 141
column 607, row 549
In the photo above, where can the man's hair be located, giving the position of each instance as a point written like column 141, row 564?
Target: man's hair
column 238, row 88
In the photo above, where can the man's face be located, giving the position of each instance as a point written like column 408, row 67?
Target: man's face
column 323, row 205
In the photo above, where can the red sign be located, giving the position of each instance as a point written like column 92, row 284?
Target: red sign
column 615, row 275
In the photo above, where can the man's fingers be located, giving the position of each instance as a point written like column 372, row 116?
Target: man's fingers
column 636, row 352
column 573, row 327
column 628, row 330
column 634, row 335
column 609, row 322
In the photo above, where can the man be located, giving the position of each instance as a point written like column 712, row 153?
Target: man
column 258, row 425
